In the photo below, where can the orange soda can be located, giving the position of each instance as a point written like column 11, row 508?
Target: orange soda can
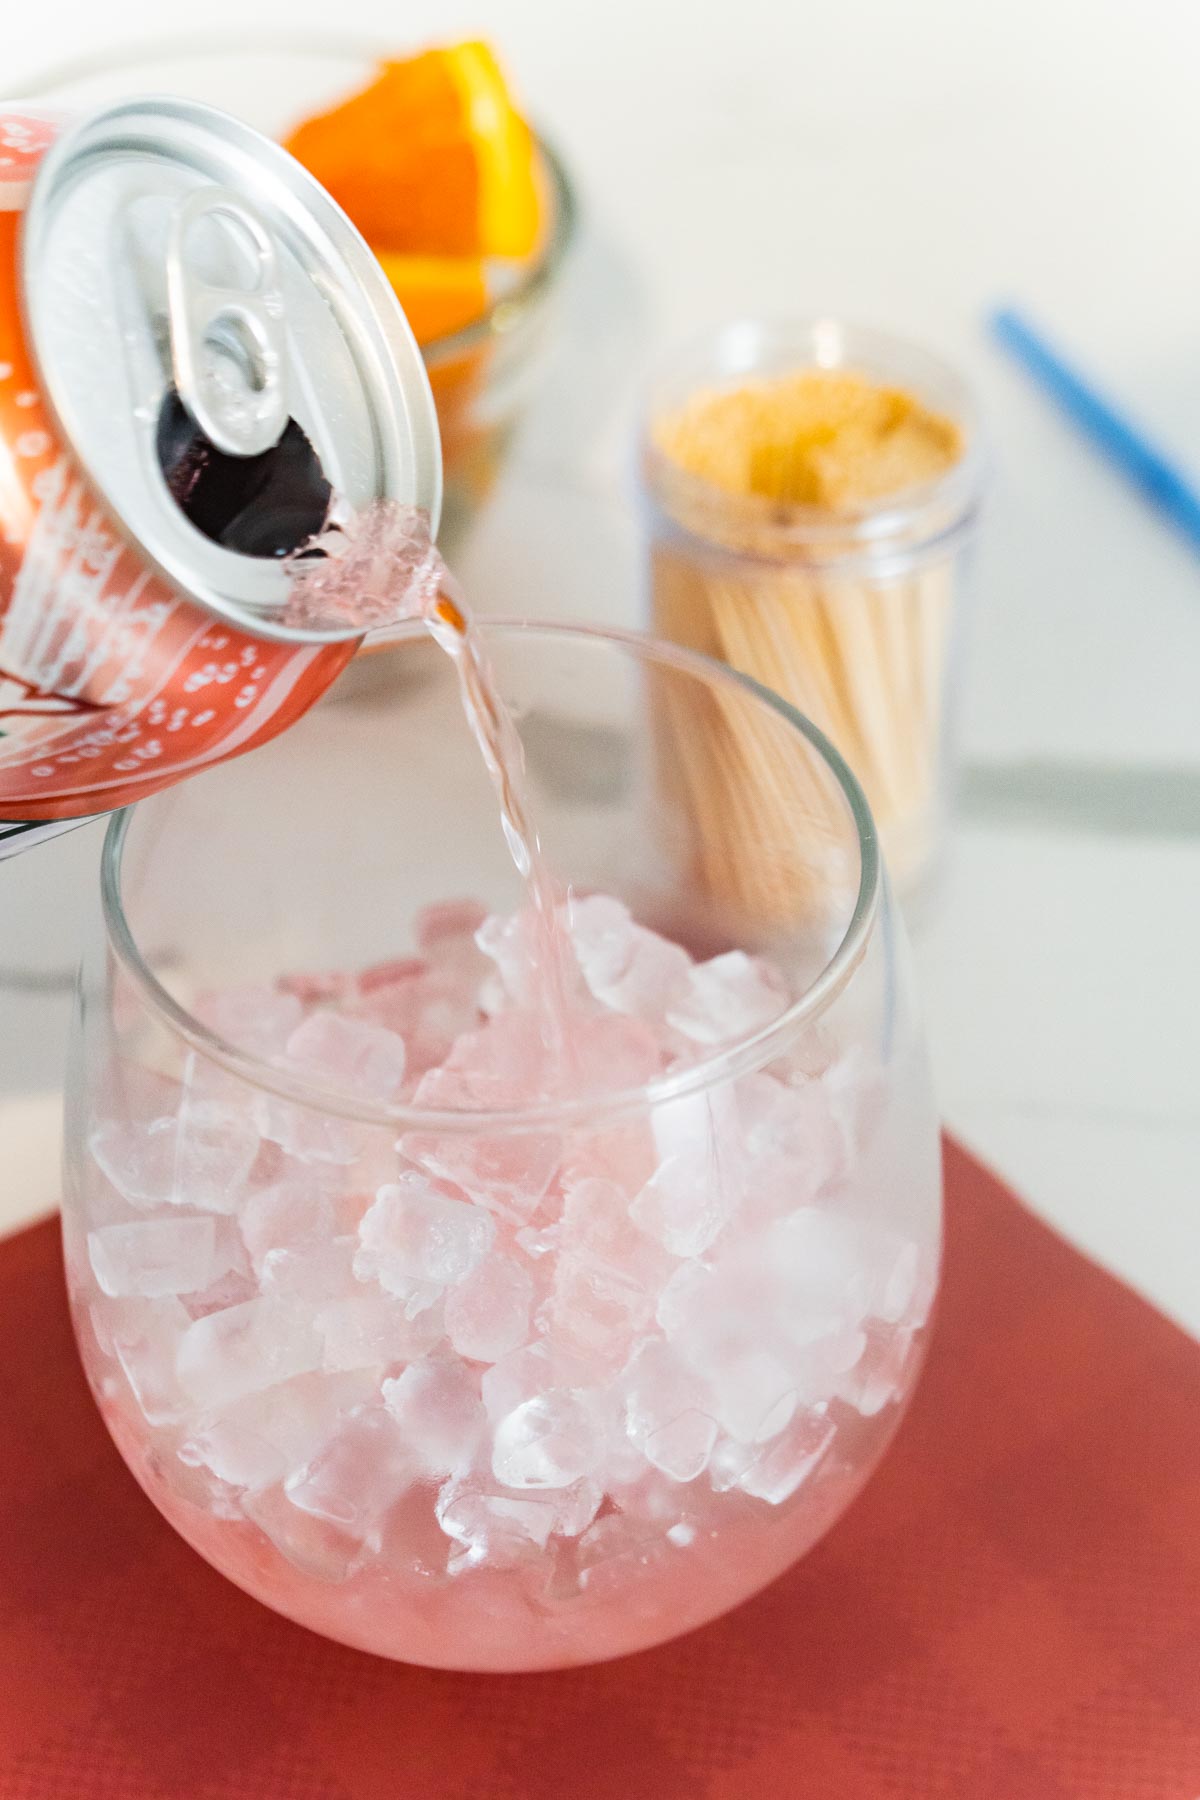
column 200, row 363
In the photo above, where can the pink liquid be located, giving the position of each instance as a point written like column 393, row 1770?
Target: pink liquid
column 401, row 1606
column 384, row 568
column 506, row 1622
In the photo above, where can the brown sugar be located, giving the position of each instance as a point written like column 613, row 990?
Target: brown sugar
column 821, row 438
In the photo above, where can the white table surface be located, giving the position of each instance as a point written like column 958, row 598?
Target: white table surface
column 907, row 166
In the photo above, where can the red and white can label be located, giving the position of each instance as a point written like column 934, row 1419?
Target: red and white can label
column 112, row 684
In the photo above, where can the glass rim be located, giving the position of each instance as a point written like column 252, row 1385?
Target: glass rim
column 927, row 517
column 503, row 314
column 742, row 1058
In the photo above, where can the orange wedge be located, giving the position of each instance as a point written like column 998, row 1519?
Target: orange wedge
column 439, row 294
column 432, row 158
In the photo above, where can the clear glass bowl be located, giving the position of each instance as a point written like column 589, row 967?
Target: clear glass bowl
column 710, row 1401
column 482, row 374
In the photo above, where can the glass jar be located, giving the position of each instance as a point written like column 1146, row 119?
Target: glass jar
column 853, row 615
column 657, row 1334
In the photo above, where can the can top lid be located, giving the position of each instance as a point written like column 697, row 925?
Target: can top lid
column 220, row 349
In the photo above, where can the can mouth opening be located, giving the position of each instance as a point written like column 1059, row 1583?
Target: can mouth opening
column 266, row 505
column 300, row 372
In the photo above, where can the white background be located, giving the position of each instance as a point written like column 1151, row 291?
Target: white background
column 906, row 165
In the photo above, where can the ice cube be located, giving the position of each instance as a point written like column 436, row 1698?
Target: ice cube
column 374, row 1167
column 816, row 1257
column 317, row 987
column 355, row 1477
column 537, row 1243
column 797, row 1146
column 792, row 1291
column 702, row 1172
column 381, row 977
column 607, row 1273
column 687, row 1203
column 549, row 1441
column 708, row 1118
column 681, row 1448
column 900, row 1283
column 198, row 1157
column 511, row 1062
column 721, row 1321
column 729, row 997
column 511, row 942
column 493, row 1528
column 430, row 1004
column 787, row 1462
column 616, row 1550
column 317, row 1271
column 729, row 1461
column 610, row 1052
column 661, row 1500
column 882, row 1373
column 686, row 1299
column 794, row 1118
column 601, row 931
column 438, row 1409
column 854, row 1085
column 313, row 1545
column 668, row 1412
column 229, row 1289
column 414, row 1233
column 448, row 923
column 508, row 1172
column 487, row 1315
column 363, row 1331
column 576, row 1506
column 202, row 1079
column 216, row 1146
column 258, row 1020
column 308, row 1134
column 595, row 1311
column 524, row 1374
column 446, row 934
column 258, row 1441
column 145, row 1336
column 597, row 1228
column 754, row 1395
column 419, row 1297
column 621, row 1152
column 836, row 1354
column 352, row 1055
column 155, row 1256
column 625, row 967
column 246, row 1348
column 504, row 1065
column 293, row 1213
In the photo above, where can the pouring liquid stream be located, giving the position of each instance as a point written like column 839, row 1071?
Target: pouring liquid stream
column 382, row 566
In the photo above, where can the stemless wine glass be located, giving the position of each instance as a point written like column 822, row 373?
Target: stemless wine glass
column 649, row 1339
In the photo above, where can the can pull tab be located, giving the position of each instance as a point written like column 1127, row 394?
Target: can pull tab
column 227, row 347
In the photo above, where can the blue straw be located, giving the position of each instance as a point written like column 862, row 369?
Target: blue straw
column 1162, row 483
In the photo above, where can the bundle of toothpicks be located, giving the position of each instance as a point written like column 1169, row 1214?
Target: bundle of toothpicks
column 764, row 561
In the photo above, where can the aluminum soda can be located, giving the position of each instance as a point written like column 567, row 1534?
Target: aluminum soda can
column 199, row 359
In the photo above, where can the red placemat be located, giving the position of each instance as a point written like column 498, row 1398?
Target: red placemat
column 1010, row 1612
